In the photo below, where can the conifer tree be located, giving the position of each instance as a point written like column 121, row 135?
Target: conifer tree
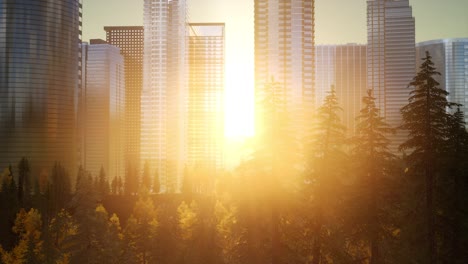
column 426, row 119
column 146, row 177
column 24, row 182
column 103, row 183
column 328, row 144
column 372, row 155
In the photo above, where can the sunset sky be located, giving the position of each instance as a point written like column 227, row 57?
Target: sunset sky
column 337, row 22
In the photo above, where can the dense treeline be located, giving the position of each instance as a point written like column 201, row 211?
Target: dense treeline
column 316, row 198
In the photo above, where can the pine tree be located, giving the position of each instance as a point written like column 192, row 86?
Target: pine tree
column 372, row 156
column 426, row 119
column 24, row 182
column 328, row 144
column 59, row 189
column 452, row 191
column 103, row 184
column 156, row 183
column 146, row 177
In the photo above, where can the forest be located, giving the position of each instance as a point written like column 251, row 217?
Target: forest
column 317, row 198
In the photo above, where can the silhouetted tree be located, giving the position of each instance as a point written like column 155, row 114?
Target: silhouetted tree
column 146, row 177
column 426, row 119
column 324, row 176
column 24, row 182
column 103, row 184
column 59, row 189
column 372, row 156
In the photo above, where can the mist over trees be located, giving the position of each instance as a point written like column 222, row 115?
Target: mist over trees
column 321, row 198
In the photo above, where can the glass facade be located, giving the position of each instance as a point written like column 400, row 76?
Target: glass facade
column 284, row 52
column 391, row 57
column 104, row 110
column 130, row 41
column 450, row 57
column 206, row 96
column 39, row 66
column 345, row 68
column 165, row 91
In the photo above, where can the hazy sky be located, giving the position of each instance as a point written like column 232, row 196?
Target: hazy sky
column 337, row 22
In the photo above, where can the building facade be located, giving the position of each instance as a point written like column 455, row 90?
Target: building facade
column 284, row 54
column 104, row 109
column 345, row 68
column 450, row 57
column 391, row 57
column 130, row 41
column 206, row 96
column 165, row 91
column 39, row 68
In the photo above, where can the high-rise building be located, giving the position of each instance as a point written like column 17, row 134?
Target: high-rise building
column 345, row 68
column 391, row 57
column 284, row 53
column 39, row 68
column 165, row 90
column 206, row 96
column 104, row 109
column 450, row 57
column 130, row 41
column 325, row 63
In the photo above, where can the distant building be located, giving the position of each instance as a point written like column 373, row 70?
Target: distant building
column 391, row 57
column 130, row 41
column 345, row 68
column 450, row 57
column 284, row 53
column 206, row 96
column 165, row 91
column 39, row 68
column 103, row 109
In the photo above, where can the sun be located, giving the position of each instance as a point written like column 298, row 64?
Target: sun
column 239, row 101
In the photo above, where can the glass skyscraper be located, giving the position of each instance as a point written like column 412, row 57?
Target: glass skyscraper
column 206, row 96
column 130, row 41
column 450, row 57
column 390, row 57
column 104, row 109
column 284, row 53
column 165, row 91
column 39, row 65
column 345, row 68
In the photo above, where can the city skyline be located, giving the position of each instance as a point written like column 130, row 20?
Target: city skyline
column 434, row 20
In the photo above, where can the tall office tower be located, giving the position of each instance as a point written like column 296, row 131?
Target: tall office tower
column 104, row 109
column 345, row 68
column 206, row 96
column 450, row 57
column 284, row 52
column 391, row 57
column 130, row 42
column 165, row 92
column 38, row 82
column 324, row 71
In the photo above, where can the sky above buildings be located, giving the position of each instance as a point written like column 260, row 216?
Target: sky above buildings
column 337, row 22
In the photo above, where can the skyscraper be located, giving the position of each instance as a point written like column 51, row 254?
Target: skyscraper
column 390, row 57
column 165, row 91
column 450, row 57
column 284, row 52
column 130, row 41
column 345, row 68
column 39, row 64
column 104, row 109
column 206, row 96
